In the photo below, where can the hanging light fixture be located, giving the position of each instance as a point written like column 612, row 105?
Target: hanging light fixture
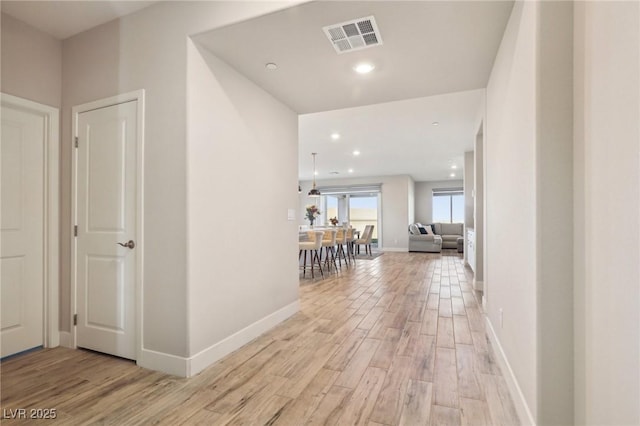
column 314, row 192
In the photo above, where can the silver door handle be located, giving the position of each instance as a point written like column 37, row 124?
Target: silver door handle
column 129, row 244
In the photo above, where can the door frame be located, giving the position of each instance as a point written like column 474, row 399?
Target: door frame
column 51, row 186
column 136, row 95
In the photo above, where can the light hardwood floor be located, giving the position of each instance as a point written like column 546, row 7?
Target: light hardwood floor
column 397, row 340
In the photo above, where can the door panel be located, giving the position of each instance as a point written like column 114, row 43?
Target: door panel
column 22, row 148
column 107, row 277
column 12, row 289
column 106, row 215
column 106, row 164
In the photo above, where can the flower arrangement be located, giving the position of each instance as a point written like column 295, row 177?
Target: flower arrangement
column 312, row 213
column 334, row 221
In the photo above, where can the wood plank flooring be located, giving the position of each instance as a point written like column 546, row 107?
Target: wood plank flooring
column 397, row 340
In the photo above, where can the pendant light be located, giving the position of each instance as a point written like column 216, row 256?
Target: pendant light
column 314, row 192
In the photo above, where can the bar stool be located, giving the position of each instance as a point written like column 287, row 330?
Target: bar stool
column 312, row 247
column 329, row 245
column 350, row 239
column 341, row 239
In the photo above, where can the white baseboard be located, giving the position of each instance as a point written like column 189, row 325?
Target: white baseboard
column 524, row 413
column 66, row 340
column 190, row 366
column 478, row 285
column 166, row 363
column 395, row 249
column 213, row 353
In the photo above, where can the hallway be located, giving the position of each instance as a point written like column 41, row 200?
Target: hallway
column 370, row 345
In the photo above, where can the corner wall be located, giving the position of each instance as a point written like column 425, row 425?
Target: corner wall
column 511, row 275
column 241, row 179
column 31, row 63
column 529, row 167
column 424, row 197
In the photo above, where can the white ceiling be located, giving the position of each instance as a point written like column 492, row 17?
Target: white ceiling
column 393, row 138
column 434, row 58
column 430, row 48
column 62, row 19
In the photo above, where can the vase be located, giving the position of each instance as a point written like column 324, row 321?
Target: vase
column 311, row 223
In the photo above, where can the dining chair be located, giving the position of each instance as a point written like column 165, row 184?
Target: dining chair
column 365, row 240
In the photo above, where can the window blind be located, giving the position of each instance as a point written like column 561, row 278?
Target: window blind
column 353, row 189
column 447, row 191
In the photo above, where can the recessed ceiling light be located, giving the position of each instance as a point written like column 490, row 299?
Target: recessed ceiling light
column 363, row 68
column 454, row 166
column 350, row 170
column 271, row 66
column 452, row 175
column 315, row 173
column 335, row 136
column 435, row 123
column 356, row 153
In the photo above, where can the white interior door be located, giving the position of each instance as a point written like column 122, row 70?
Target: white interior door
column 106, row 216
column 22, row 149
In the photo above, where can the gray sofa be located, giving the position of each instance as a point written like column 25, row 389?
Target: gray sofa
column 450, row 233
column 423, row 242
column 446, row 235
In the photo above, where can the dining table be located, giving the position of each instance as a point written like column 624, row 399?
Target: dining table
column 304, row 236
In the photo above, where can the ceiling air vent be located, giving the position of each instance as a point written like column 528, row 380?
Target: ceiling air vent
column 354, row 35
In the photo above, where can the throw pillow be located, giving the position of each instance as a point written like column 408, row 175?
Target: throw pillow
column 429, row 230
column 423, row 230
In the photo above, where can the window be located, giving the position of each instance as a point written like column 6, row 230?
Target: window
column 363, row 211
column 358, row 205
column 448, row 205
column 331, row 207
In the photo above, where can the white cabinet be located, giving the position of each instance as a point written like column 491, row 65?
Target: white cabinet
column 471, row 248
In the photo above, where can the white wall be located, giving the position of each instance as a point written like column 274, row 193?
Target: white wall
column 469, row 188
column 529, row 195
column 424, row 197
column 395, row 206
column 242, row 178
column 469, row 199
column 607, row 178
column 148, row 50
column 510, row 277
column 31, row 63
column 478, row 209
column 412, row 201
column 554, row 184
